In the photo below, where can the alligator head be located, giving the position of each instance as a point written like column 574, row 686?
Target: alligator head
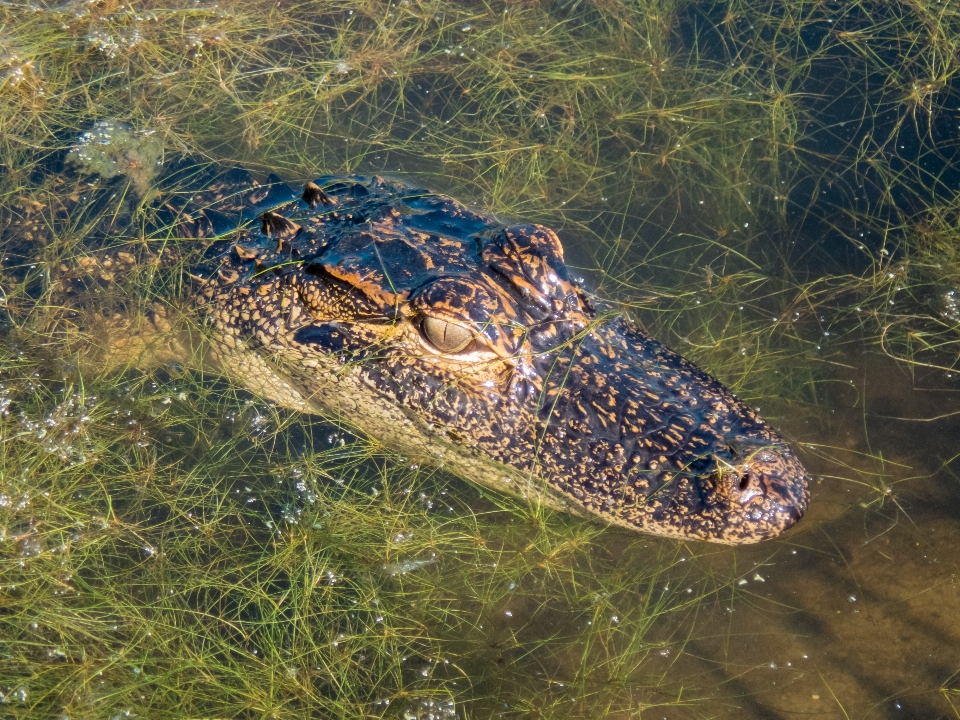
column 445, row 333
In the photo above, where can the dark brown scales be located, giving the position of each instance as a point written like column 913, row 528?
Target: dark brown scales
column 445, row 334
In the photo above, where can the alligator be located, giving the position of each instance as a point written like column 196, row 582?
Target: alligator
column 454, row 337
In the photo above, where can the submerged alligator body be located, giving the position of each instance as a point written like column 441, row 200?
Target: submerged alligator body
column 451, row 336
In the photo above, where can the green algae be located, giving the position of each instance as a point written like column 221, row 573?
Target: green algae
column 173, row 547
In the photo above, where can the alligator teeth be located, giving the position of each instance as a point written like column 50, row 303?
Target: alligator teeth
column 273, row 224
column 313, row 195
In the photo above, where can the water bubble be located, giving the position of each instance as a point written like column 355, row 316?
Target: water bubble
column 206, row 37
column 30, row 546
column 430, row 708
column 951, row 305
column 112, row 42
column 111, row 148
column 405, row 566
column 14, row 70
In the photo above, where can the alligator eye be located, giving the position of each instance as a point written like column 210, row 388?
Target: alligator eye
column 446, row 336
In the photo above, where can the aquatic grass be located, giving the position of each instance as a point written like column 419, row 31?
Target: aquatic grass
column 951, row 694
column 172, row 548
column 693, row 148
column 178, row 574
column 395, row 61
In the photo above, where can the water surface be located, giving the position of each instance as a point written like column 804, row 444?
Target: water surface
column 767, row 188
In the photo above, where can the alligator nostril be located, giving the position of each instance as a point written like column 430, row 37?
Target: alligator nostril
column 748, row 488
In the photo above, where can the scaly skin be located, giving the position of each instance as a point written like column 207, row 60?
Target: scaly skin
column 450, row 336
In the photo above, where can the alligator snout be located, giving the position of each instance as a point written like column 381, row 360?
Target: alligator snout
column 770, row 486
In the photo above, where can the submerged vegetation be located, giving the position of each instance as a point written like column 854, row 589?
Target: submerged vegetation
column 768, row 187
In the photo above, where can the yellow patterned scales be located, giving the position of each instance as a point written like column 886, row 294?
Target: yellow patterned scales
column 448, row 335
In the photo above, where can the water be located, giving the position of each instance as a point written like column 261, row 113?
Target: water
column 770, row 190
column 865, row 600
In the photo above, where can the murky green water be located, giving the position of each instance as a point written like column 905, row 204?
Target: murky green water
column 769, row 188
